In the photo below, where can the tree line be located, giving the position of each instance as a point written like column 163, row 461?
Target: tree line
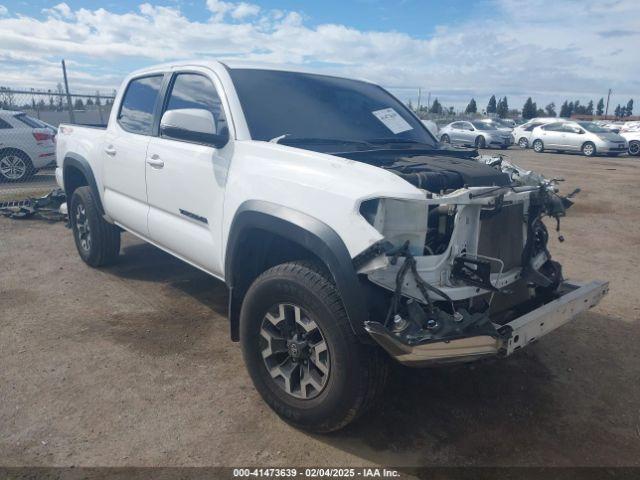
column 49, row 100
column 530, row 109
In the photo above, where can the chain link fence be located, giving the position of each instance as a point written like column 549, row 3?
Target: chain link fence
column 29, row 122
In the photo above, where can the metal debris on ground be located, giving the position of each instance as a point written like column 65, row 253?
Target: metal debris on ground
column 46, row 207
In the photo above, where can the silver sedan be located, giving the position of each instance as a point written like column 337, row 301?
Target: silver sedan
column 476, row 133
column 585, row 137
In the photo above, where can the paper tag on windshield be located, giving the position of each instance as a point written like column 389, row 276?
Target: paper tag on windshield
column 392, row 120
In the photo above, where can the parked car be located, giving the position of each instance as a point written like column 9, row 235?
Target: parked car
column 633, row 141
column 25, row 146
column 614, row 127
column 504, row 124
column 631, row 126
column 475, row 133
column 522, row 133
column 346, row 235
column 585, row 137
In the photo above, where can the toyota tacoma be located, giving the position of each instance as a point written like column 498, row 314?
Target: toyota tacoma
column 347, row 235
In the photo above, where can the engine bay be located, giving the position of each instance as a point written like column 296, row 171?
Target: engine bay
column 456, row 268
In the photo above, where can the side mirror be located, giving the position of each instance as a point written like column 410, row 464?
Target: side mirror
column 195, row 125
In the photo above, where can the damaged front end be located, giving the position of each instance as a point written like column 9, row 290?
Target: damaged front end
column 466, row 273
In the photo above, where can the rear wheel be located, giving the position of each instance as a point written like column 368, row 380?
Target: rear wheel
column 480, row 142
column 445, row 138
column 588, row 149
column 538, row 146
column 15, row 166
column 523, row 143
column 301, row 353
column 634, row 148
column 97, row 241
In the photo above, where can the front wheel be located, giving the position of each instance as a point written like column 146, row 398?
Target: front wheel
column 301, row 353
column 523, row 143
column 445, row 138
column 588, row 149
column 481, row 142
column 634, row 148
column 538, row 146
column 97, row 241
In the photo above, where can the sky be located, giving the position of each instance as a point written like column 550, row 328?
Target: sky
column 454, row 50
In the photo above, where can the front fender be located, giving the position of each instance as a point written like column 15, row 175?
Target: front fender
column 310, row 234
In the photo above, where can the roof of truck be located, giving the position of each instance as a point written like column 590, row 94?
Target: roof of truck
column 235, row 64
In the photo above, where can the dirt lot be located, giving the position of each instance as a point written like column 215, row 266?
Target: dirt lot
column 132, row 365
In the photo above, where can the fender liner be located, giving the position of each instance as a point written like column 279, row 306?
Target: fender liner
column 74, row 160
column 311, row 234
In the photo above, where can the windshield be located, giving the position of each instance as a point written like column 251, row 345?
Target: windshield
column 592, row 127
column 484, row 126
column 503, row 123
column 324, row 113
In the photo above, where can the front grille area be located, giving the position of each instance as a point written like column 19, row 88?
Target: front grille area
column 501, row 236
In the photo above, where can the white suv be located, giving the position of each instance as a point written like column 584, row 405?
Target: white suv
column 25, row 146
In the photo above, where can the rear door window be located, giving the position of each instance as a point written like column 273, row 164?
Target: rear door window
column 139, row 103
column 4, row 125
column 28, row 121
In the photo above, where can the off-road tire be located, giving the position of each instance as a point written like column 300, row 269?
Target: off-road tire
column 358, row 372
column 538, row 146
column 105, row 238
column 588, row 149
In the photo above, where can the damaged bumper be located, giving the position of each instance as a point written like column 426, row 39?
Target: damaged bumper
column 573, row 299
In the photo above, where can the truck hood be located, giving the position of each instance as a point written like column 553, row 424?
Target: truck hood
column 436, row 170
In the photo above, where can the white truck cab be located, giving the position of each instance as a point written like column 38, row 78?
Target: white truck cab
column 346, row 234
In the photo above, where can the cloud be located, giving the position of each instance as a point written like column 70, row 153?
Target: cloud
column 238, row 11
column 244, row 10
column 539, row 48
column 61, row 10
column 3, row 11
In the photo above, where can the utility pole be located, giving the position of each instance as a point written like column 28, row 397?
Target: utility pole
column 429, row 101
column 606, row 112
column 419, row 97
column 66, row 88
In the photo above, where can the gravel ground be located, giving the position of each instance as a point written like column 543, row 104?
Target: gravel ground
column 42, row 182
column 132, row 365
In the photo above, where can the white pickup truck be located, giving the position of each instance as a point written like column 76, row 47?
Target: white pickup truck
column 346, row 234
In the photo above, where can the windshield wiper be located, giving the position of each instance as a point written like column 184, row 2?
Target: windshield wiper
column 391, row 140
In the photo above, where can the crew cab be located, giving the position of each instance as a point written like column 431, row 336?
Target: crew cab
column 346, row 234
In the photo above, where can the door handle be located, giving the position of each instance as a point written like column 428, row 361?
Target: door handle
column 155, row 161
column 110, row 150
